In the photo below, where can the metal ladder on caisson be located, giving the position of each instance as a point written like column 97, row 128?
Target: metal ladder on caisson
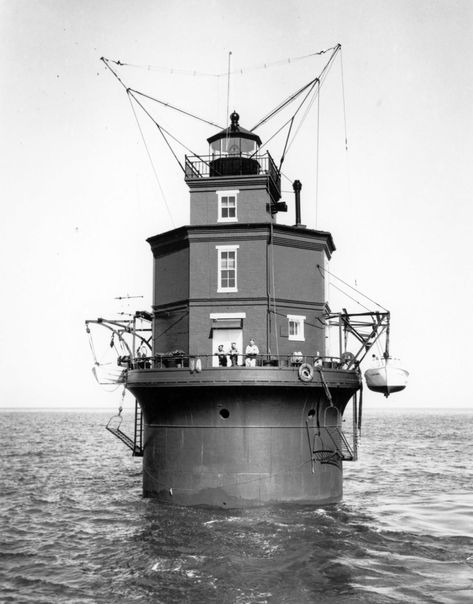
column 138, row 432
column 328, row 443
column 136, row 445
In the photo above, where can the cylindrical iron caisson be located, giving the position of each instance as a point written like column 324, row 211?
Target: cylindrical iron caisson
column 216, row 439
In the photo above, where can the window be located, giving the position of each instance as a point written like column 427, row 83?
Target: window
column 227, row 206
column 227, row 268
column 296, row 327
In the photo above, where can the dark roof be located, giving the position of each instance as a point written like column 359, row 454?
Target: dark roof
column 235, row 131
column 177, row 238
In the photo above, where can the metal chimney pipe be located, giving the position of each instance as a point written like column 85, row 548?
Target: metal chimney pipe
column 297, row 186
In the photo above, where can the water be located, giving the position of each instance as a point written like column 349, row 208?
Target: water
column 75, row 529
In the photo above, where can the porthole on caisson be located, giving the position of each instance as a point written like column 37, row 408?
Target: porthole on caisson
column 311, row 413
column 224, row 413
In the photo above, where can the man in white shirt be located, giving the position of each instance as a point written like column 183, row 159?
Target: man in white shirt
column 251, row 352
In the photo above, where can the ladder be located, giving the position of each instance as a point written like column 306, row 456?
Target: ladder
column 138, row 436
column 328, row 444
column 136, row 445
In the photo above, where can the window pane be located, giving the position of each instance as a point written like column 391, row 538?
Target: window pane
column 228, row 260
column 227, row 269
column 293, row 328
column 228, row 278
column 247, row 146
column 228, row 205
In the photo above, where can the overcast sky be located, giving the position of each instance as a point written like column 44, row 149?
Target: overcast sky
column 79, row 195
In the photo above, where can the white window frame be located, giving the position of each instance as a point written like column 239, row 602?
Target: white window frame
column 226, row 248
column 220, row 196
column 299, row 321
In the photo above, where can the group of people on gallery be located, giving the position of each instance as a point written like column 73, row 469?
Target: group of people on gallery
column 251, row 352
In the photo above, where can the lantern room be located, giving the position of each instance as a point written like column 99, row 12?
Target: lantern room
column 235, row 167
column 233, row 150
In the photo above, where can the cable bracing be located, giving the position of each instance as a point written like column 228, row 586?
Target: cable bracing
column 312, row 84
column 175, row 108
column 343, row 99
column 284, row 103
column 300, row 91
column 132, row 94
column 311, row 90
column 348, row 296
column 152, row 163
column 238, row 71
column 162, row 130
column 311, row 87
column 324, row 270
column 286, row 143
column 317, row 86
column 317, row 155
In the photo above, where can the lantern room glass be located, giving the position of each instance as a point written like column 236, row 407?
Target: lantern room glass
column 233, row 145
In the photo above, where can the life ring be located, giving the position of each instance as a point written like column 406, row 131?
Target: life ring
column 306, row 372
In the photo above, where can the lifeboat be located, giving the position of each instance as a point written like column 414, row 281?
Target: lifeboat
column 386, row 376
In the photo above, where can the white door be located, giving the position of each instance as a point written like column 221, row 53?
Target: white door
column 226, row 337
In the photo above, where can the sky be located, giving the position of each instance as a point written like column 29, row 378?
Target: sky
column 80, row 195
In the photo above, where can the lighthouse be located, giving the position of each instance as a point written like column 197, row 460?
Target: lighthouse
column 238, row 400
column 219, row 430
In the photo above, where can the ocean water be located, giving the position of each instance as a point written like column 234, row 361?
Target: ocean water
column 75, row 529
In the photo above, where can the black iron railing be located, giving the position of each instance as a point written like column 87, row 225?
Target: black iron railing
column 294, row 361
column 232, row 165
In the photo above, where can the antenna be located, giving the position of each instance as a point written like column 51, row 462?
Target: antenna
column 127, row 297
column 228, row 86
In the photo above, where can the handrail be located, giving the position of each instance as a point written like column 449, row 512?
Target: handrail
column 209, row 361
column 198, row 166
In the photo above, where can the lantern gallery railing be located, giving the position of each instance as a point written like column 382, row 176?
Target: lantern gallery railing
column 228, row 165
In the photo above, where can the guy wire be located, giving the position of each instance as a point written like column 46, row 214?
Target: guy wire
column 152, row 163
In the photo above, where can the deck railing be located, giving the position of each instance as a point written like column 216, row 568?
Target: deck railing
column 210, row 361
